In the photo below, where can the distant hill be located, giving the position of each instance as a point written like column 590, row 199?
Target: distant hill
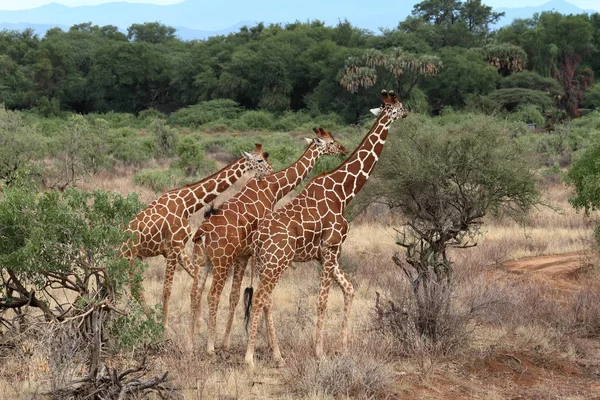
column 210, row 15
column 198, row 19
column 560, row 6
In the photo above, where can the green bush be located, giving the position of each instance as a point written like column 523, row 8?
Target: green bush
column 159, row 180
column 512, row 98
column 205, row 112
column 529, row 114
column 531, row 80
column 591, row 97
column 151, row 114
column 254, row 120
column 292, row 120
column 116, row 120
column 282, row 156
column 164, row 136
column 48, row 107
column 135, row 330
column 126, row 145
column 191, row 157
column 20, row 142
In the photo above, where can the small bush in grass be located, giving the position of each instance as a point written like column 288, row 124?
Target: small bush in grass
column 330, row 121
column 428, row 324
column 587, row 312
column 205, row 112
column 164, row 136
column 351, row 375
column 282, row 156
column 128, row 146
column 159, row 180
column 529, row 114
column 135, row 329
column 218, row 126
column 256, row 120
column 152, row 115
column 191, row 157
column 292, row 120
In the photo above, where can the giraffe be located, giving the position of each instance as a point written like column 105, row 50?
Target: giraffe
column 312, row 227
column 224, row 238
column 163, row 227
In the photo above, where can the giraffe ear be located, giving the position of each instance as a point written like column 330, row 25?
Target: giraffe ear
column 319, row 141
column 309, row 141
column 247, row 156
column 376, row 111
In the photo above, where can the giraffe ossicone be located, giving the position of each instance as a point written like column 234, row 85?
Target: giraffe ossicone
column 224, row 240
column 162, row 228
column 312, row 227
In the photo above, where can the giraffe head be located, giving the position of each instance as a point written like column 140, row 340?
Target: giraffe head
column 391, row 106
column 257, row 161
column 327, row 144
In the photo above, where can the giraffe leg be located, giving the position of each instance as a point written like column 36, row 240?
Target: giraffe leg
column 321, row 307
column 262, row 301
column 271, row 335
column 216, row 287
column 169, row 274
column 267, row 333
column 198, row 283
column 348, row 289
column 257, row 307
column 239, row 266
column 185, row 261
column 330, row 264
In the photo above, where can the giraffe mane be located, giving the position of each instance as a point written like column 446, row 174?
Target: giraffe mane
column 212, row 210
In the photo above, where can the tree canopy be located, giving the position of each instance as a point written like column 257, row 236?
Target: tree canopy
column 301, row 65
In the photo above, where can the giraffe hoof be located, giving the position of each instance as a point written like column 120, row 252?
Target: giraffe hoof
column 250, row 363
column 280, row 363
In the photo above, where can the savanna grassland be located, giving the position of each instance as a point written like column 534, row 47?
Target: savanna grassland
column 472, row 248
column 505, row 332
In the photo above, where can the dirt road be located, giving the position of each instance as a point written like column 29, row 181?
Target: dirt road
column 560, row 269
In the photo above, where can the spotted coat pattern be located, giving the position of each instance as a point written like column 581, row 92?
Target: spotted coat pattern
column 163, row 228
column 313, row 227
column 224, row 238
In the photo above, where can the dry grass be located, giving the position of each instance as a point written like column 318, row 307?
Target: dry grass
column 551, row 331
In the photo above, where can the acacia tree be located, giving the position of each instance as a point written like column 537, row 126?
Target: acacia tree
column 507, row 58
column 60, row 274
column 394, row 68
column 445, row 176
column 55, row 241
column 558, row 46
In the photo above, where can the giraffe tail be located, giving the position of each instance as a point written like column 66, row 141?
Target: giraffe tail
column 248, row 293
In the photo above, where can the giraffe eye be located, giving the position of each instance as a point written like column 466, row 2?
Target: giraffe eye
column 261, row 161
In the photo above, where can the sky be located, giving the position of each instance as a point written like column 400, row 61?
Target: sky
column 25, row 4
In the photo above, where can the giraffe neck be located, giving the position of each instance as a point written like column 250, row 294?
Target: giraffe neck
column 355, row 171
column 286, row 180
column 275, row 186
column 197, row 195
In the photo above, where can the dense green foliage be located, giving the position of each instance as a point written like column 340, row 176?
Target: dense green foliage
column 435, row 58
